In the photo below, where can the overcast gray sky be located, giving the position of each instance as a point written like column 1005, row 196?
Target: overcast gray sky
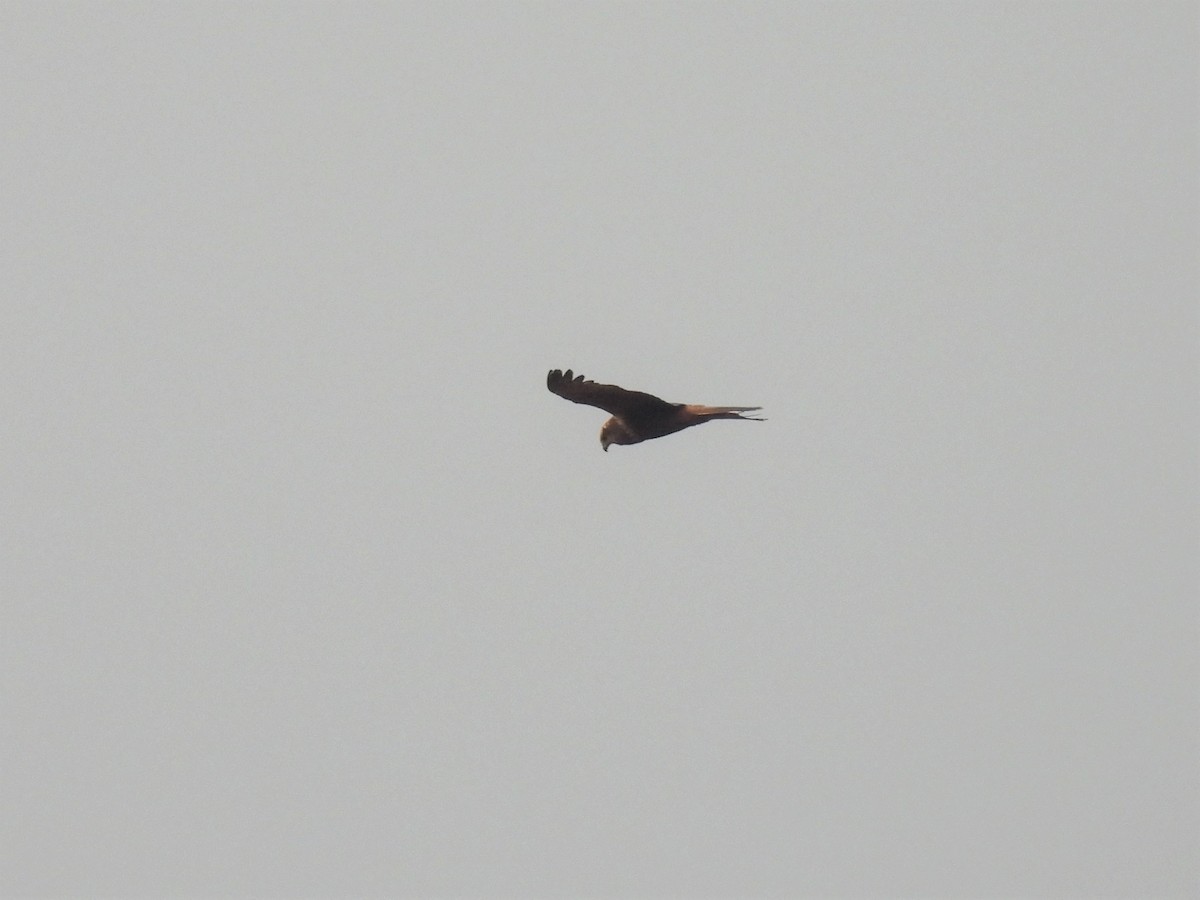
column 311, row 587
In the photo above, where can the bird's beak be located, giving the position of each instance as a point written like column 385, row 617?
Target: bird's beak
column 605, row 446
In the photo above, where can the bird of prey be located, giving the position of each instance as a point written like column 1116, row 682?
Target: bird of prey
column 637, row 417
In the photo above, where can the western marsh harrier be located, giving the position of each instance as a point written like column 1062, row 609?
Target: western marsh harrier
column 637, row 417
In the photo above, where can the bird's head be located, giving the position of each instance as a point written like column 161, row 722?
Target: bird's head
column 614, row 431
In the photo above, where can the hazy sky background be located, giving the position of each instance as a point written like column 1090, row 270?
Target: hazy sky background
column 311, row 587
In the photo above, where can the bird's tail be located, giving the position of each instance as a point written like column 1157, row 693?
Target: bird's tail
column 725, row 412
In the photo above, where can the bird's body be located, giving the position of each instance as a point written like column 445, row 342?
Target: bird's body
column 636, row 416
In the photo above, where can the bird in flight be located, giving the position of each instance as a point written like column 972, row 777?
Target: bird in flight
column 638, row 417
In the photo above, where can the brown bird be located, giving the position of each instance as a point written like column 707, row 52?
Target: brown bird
column 637, row 417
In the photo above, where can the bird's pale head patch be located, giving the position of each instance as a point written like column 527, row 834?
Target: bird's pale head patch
column 614, row 431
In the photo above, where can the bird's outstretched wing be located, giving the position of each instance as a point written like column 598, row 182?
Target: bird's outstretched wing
column 628, row 405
